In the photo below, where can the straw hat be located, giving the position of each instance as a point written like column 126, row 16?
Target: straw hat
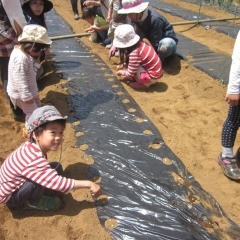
column 47, row 5
column 133, row 6
column 125, row 36
column 43, row 115
column 34, row 33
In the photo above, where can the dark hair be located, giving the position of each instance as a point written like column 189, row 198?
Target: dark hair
column 125, row 52
column 38, row 19
column 36, row 47
column 42, row 127
column 88, row 12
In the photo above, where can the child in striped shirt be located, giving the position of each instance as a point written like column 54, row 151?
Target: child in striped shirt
column 25, row 174
column 143, row 65
column 23, row 67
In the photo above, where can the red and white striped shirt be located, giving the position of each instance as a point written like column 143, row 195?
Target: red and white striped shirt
column 145, row 56
column 28, row 162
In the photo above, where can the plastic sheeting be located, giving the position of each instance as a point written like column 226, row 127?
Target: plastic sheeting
column 216, row 65
column 148, row 191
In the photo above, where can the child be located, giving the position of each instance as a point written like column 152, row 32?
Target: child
column 34, row 11
column 143, row 65
column 227, row 160
column 115, row 20
column 98, row 27
column 25, row 174
column 22, row 86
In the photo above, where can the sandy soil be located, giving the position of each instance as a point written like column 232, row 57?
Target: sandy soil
column 187, row 106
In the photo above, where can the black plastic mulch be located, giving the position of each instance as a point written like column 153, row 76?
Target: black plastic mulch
column 150, row 192
column 216, row 65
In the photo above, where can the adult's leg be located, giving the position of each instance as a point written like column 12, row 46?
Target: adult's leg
column 75, row 9
column 17, row 112
column 166, row 47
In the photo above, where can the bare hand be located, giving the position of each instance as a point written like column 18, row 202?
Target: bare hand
column 87, row 3
column 119, row 72
column 95, row 190
column 119, row 67
column 112, row 51
column 232, row 99
column 31, row 101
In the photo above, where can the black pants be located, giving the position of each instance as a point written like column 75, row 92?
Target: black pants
column 30, row 190
column 230, row 126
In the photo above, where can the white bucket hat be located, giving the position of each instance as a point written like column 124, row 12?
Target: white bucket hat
column 125, row 36
column 34, row 33
column 133, row 6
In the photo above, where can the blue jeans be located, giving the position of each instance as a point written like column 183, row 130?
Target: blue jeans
column 170, row 48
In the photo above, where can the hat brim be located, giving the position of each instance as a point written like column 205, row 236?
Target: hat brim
column 50, row 119
column 136, row 9
column 47, row 5
column 118, row 44
column 29, row 39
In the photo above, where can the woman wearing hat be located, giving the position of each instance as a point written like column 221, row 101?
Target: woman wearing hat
column 143, row 66
column 22, row 70
column 152, row 26
column 34, row 11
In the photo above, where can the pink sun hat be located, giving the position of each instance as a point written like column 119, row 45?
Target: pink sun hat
column 133, row 6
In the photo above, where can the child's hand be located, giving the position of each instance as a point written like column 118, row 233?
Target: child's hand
column 119, row 67
column 87, row 3
column 232, row 99
column 119, row 72
column 112, row 51
column 95, row 190
column 31, row 101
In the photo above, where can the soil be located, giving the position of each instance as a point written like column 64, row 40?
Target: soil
column 187, row 106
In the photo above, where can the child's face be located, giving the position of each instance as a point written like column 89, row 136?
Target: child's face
column 51, row 137
column 90, row 20
column 37, row 6
column 35, row 55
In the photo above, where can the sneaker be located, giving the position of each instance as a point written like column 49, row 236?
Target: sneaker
column 76, row 17
column 229, row 167
column 44, row 203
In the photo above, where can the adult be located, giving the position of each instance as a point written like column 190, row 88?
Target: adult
column 74, row 3
column 12, row 22
column 152, row 26
column 104, row 4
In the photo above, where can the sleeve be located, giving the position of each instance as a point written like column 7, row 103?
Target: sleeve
column 133, row 64
column 156, row 33
column 40, row 171
column 14, row 11
column 18, row 73
column 234, row 76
